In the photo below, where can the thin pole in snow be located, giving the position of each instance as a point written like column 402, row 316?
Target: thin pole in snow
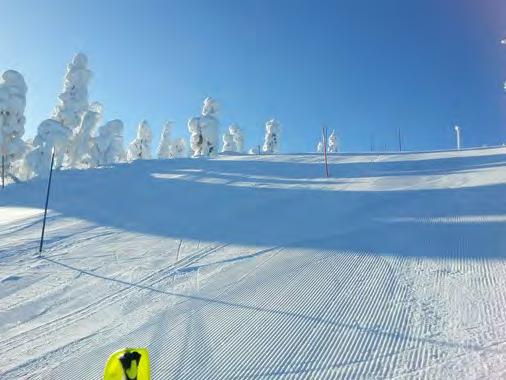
column 179, row 249
column 324, row 135
column 457, row 132
column 3, row 171
column 400, row 139
column 47, row 202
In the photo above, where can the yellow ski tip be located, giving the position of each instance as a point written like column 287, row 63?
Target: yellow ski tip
column 128, row 364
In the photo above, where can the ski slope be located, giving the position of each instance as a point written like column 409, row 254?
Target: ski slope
column 252, row 267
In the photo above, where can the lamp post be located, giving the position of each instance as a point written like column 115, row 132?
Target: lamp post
column 503, row 42
column 457, row 134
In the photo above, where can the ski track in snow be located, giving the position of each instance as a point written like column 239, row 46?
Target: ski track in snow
column 392, row 268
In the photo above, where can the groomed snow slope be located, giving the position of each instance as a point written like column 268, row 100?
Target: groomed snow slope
column 259, row 267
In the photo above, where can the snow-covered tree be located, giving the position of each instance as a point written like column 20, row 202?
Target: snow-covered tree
column 108, row 145
column 204, row 130
column 238, row 137
column 12, row 120
column 140, row 147
column 73, row 101
column 163, row 150
column 271, row 141
column 228, row 143
column 80, row 149
column 50, row 134
column 177, row 148
column 196, row 139
column 255, row 150
column 333, row 143
column 319, row 147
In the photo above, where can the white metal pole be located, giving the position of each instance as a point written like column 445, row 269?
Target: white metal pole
column 457, row 132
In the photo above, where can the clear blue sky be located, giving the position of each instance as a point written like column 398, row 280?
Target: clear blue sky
column 362, row 67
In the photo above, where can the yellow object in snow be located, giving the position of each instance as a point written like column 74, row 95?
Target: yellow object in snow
column 128, row 364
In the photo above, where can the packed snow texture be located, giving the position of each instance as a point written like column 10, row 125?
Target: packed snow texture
column 50, row 134
column 73, row 101
column 204, row 130
column 271, row 140
column 108, row 144
column 260, row 267
column 140, row 147
column 12, row 120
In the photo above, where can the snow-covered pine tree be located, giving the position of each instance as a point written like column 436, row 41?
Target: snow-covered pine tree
column 271, row 140
column 140, row 147
column 204, row 130
column 228, row 143
column 50, row 134
column 319, row 147
column 73, row 101
column 108, row 144
column 333, row 143
column 163, row 150
column 177, row 148
column 196, row 139
column 81, row 145
column 238, row 137
column 12, row 120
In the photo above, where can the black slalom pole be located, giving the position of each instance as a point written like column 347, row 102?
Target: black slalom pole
column 47, row 202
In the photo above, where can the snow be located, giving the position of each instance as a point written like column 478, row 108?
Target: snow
column 204, row 130
column 333, row 143
column 140, row 147
column 50, row 134
column 257, row 266
column 108, row 145
column 73, row 101
column 12, row 120
column 238, row 137
column 163, row 150
column 81, row 147
column 178, row 148
column 271, row 138
column 228, row 143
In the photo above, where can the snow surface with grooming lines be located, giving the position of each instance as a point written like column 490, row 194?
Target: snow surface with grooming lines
column 253, row 267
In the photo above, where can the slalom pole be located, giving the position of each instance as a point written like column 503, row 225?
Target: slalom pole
column 324, row 133
column 47, row 202
column 3, row 171
column 400, row 139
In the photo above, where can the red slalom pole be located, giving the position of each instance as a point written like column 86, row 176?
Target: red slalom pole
column 324, row 133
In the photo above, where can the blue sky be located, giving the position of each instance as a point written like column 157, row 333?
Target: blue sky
column 362, row 67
